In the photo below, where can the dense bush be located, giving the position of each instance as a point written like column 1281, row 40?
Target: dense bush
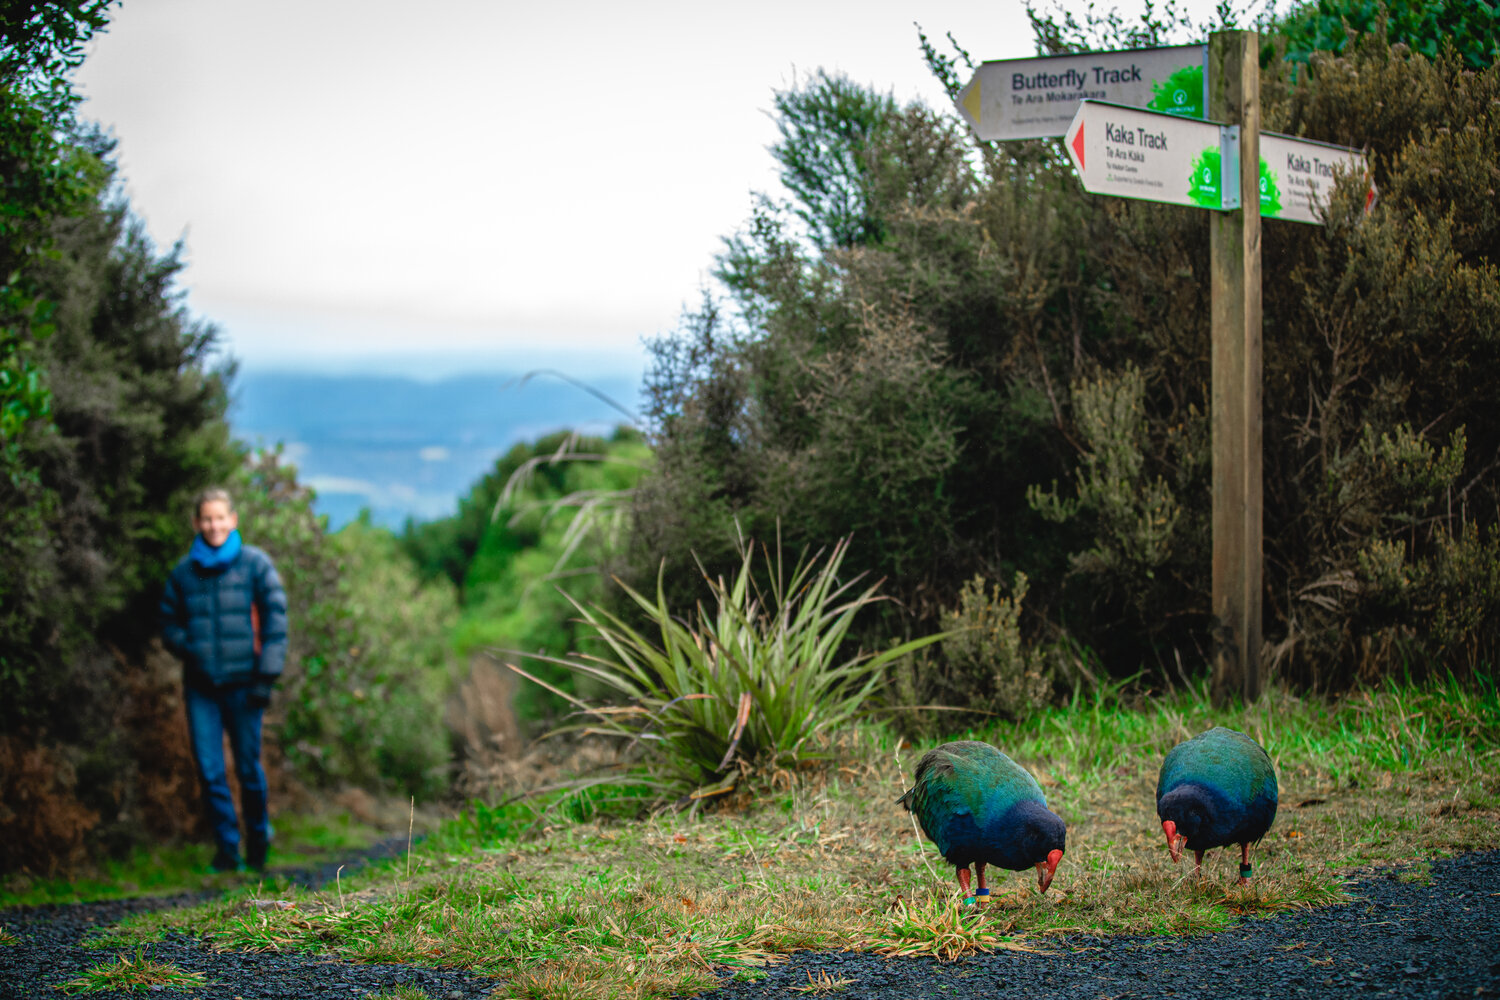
column 1007, row 374
column 1471, row 28
column 94, row 513
column 990, row 667
column 109, row 418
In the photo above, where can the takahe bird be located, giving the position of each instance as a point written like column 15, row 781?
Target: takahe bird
column 982, row 808
column 1216, row 789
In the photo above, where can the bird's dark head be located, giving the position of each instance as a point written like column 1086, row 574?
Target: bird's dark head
column 1184, row 812
column 1048, row 839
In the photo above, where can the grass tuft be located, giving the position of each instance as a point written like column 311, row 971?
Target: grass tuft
column 935, row 926
column 823, row 984
column 133, row 975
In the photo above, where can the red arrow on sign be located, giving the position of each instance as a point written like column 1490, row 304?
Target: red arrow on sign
column 1078, row 146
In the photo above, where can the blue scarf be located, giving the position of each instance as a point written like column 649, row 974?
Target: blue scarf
column 208, row 557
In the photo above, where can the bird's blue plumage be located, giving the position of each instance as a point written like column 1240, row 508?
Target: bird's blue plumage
column 1219, row 788
column 981, row 807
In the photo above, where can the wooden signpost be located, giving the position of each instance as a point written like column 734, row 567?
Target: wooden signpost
column 1235, row 406
column 1228, row 165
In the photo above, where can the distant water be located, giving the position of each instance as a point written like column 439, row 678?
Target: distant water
column 408, row 448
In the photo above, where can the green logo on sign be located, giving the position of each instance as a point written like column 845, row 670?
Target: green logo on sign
column 1181, row 93
column 1203, row 185
column 1270, row 194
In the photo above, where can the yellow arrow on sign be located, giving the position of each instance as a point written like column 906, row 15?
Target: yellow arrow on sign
column 971, row 102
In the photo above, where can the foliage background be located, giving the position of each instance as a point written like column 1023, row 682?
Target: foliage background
column 996, row 373
column 942, row 349
column 546, row 524
column 111, row 419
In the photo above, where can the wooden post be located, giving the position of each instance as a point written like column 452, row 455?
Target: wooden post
column 1234, row 239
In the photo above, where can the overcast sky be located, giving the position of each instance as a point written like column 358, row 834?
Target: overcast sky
column 459, row 184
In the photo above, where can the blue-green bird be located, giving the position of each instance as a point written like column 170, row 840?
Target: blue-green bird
column 1216, row 789
column 982, row 808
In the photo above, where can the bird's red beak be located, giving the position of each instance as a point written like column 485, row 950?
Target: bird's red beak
column 1046, row 869
column 1175, row 840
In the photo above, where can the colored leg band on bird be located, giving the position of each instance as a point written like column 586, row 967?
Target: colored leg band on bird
column 1246, row 871
column 981, row 892
column 969, row 901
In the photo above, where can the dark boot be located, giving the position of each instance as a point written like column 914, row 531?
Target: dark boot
column 226, row 859
column 255, row 854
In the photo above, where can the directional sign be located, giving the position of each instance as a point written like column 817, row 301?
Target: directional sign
column 1296, row 176
column 1036, row 98
column 1133, row 153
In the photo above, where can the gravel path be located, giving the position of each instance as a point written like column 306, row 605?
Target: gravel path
column 1403, row 939
column 1396, row 939
column 49, row 953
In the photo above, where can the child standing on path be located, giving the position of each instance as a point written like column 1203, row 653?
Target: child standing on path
column 223, row 613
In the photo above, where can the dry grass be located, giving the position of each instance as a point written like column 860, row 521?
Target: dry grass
column 825, row 859
column 822, row 984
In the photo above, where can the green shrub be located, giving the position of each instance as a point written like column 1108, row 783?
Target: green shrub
column 1132, row 518
column 1471, row 27
column 989, row 665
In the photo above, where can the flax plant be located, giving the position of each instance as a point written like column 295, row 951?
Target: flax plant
column 758, row 678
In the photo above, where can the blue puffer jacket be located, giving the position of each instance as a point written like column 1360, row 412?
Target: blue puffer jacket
column 205, row 620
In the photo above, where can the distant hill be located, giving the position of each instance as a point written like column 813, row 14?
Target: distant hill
column 403, row 447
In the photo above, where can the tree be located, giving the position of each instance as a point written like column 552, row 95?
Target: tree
column 44, row 176
column 136, row 427
column 829, row 129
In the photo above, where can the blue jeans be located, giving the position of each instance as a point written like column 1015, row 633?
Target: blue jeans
column 210, row 715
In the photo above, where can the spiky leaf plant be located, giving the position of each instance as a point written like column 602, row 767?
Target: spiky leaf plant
column 754, row 679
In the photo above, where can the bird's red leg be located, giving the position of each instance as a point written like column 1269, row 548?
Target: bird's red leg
column 1198, row 863
column 963, row 883
column 1245, row 870
column 982, row 894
